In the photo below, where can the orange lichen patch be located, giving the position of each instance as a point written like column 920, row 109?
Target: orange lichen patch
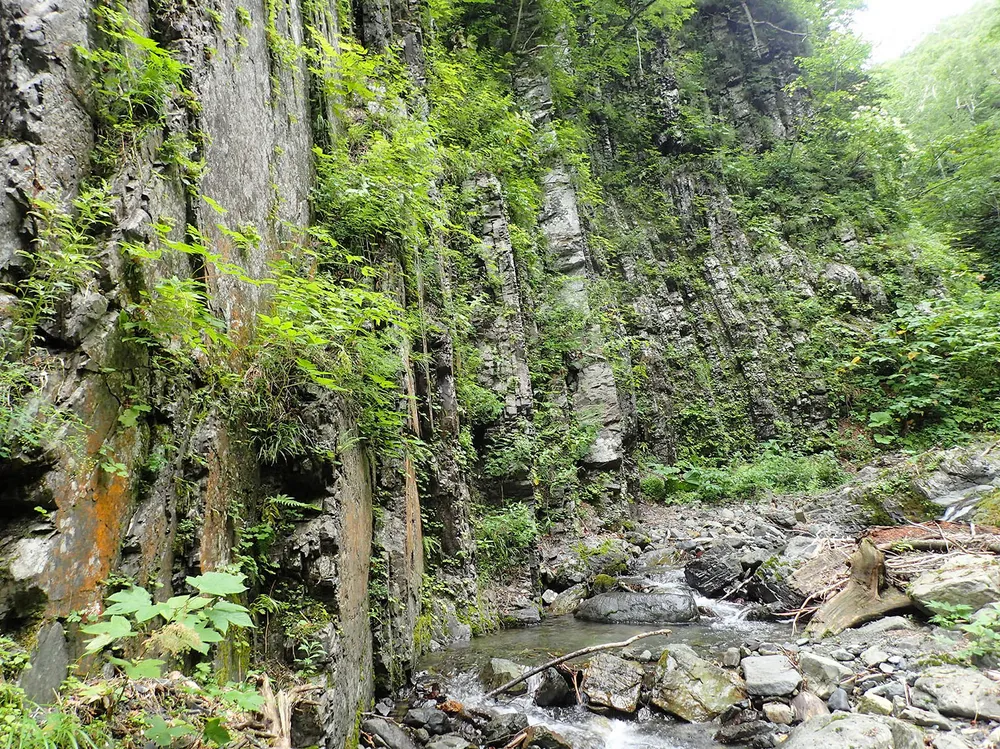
column 414, row 533
column 920, row 531
column 91, row 525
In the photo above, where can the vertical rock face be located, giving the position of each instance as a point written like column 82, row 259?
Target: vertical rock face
column 172, row 506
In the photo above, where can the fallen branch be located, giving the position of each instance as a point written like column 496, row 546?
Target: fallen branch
column 575, row 654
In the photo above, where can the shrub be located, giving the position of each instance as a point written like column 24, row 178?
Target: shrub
column 503, row 538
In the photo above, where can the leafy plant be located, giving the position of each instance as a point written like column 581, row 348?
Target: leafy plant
column 503, row 538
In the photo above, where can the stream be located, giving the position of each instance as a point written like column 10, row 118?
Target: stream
column 723, row 625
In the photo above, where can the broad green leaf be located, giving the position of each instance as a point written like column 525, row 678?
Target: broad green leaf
column 215, row 732
column 128, row 601
column 224, row 613
column 163, row 734
column 149, row 668
column 118, row 627
column 218, row 583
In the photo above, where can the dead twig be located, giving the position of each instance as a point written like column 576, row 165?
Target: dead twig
column 575, row 654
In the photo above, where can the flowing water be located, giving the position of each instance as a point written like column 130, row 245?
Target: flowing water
column 456, row 669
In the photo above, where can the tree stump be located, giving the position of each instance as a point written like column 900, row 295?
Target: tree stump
column 865, row 597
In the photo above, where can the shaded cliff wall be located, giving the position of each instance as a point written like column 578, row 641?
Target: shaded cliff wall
column 168, row 494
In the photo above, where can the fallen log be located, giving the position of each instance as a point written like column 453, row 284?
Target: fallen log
column 864, row 598
column 575, row 654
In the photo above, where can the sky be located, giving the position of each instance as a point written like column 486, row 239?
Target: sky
column 893, row 26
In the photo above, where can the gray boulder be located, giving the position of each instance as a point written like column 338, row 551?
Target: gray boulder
column 610, row 681
column 568, row 601
column 963, row 579
column 542, row 737
column 431, row 718
column 502, row 728
column 553, row 691
column 692, row 688
column 770, row 675
column 390, row 734
column 853, row 731
column 618, row 607
column 822, row 675
column 959, row 692
column 714, row 571
column 499, row 671
column 49, row 666
column 451, row 741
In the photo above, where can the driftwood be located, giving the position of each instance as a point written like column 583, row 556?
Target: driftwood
column 864, row 597
column 278, row 709
column 575, row 654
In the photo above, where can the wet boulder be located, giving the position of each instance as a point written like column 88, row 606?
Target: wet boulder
column 388, row 734
column 713, row 572
column 552, row 690
column 569, row 600
column 691, row 688
column 542, row 737
column 430, row 718
column 620, row 607
column 959, row 692
column 504, row 727
column 450, row 741
column 963, row 579
column 852, row 731
column 499, row 671
column 612, row 682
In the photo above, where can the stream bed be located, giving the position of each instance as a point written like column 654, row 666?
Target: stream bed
column 456, row 670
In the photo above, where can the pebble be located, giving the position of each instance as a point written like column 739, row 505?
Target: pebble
column 895, row 659
column 731, row 658
column 838, row 701
column 842, row 655
column 886, row 668
column 802, row 641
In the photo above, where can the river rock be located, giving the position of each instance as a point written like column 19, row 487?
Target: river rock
column 779, row 712
column 807, row 705
column 822, row 675
column 949, row 741
column 960, row 692
column 770, row 675
column 502, row 728
column 741, row 733
column 618, row 607
column 838, row 701
column 499, row 671
column 692, row 688
column 873, row 704
column 432, row 719
column 610, row 681
column 390, row 734
column 542, row 737
column 853, row 731
column 714, row 571
column 450, row 741
column 553, row 691
column 569, row 600
column 963, row 579
column 925, row 718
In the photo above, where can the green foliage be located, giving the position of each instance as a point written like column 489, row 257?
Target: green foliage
column 23, row 726
column 503, row 538
column 933, row 367
column 133, row 81
column 180, row 624
column 947, row 92
column 981, row 628
column 773, row 472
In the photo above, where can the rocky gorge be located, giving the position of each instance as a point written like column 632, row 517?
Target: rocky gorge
column 347, row 346
column 733, row 585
